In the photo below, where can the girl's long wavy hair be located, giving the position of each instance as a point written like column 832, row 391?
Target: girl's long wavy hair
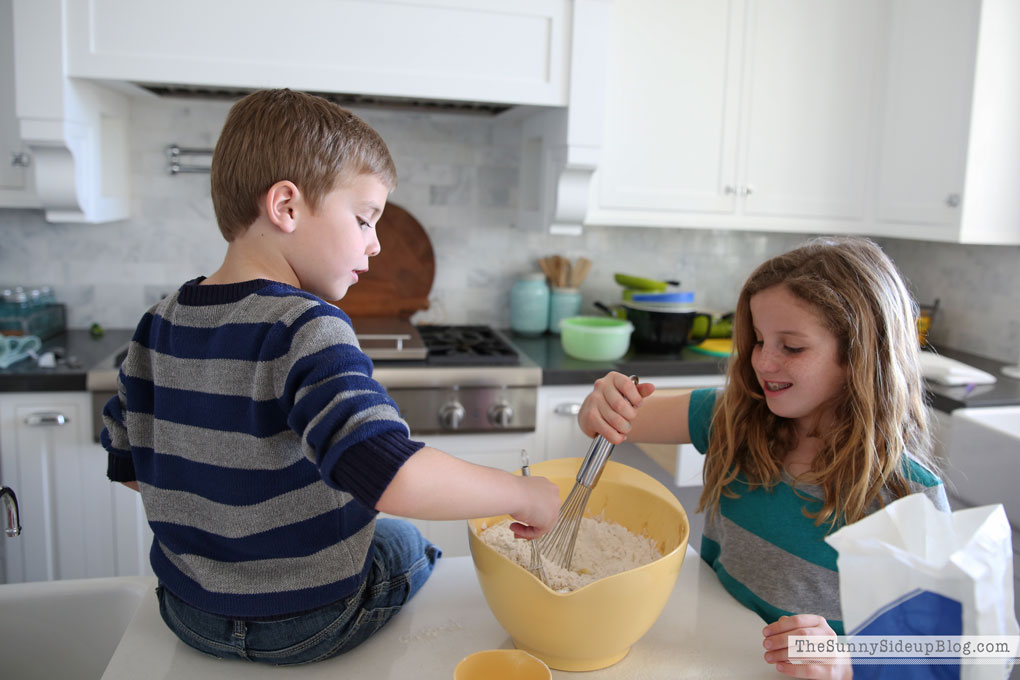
column 881, row 416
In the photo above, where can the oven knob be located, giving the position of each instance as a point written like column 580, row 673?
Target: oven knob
column 451, row 415
column 501, row 414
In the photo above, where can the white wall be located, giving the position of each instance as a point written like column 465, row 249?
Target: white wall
column 458, row 176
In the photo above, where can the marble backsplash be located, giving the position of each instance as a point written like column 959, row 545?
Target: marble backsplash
column 458, row 174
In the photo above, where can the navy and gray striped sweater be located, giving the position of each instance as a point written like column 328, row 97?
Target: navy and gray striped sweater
column 248, row 415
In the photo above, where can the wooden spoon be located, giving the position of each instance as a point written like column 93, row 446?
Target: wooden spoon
column 580, row 272
column 549, row 268
column 557, row 266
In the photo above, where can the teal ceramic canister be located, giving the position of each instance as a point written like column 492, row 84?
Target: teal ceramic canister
column 563, row 303
column 529, row 304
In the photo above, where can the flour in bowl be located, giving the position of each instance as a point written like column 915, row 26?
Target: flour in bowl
column 602, row 549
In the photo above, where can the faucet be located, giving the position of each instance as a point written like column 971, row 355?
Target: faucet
column 10, row 504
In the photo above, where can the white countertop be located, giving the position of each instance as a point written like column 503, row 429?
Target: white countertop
column 703, row 633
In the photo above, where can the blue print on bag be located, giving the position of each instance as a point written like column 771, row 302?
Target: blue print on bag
column 919, row 612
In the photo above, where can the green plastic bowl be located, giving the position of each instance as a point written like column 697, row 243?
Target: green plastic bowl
column 595, row 338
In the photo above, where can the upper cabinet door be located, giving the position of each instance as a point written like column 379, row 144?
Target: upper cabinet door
column 810, row 86
column 672, row 106
column 744, row 114
column 929, row 80
column 16, row 189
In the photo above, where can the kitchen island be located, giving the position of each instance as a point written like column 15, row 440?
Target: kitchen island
column 702, row 633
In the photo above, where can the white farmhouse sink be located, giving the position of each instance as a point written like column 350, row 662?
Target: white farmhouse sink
column 66, row 629
column 984, row 457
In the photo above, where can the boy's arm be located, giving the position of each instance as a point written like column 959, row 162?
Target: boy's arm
column 435, row 485
column 119, row 466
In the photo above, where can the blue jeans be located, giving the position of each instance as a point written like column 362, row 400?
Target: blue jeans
column 403, row 561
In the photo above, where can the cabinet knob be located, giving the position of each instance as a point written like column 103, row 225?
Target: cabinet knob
column 20, row 159
column 746, row 191
column 729, row 190
column 567, row 409
column 47, row 419
column 953, row 200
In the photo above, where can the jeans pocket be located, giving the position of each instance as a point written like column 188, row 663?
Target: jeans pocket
column 302, row 639
column 200, row 631
column 367, row 623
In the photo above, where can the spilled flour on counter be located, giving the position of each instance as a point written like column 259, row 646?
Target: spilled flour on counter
column 603, row 548
column 430, row 633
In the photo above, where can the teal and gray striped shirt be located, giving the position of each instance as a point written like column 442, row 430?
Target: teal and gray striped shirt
column 765, row 551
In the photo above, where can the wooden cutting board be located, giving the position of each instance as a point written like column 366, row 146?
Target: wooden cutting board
column 399, row 278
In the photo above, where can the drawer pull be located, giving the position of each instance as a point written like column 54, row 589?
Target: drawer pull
column 567, row 409
column 47, row 419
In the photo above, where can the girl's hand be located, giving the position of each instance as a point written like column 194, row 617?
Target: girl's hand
column 776, row 642
column 611, row 407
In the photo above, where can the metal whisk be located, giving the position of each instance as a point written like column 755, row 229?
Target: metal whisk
column 558, row 544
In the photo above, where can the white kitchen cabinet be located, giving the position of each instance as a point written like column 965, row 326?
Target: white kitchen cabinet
column 929, row 75
column 470, row 50
column 76, row 524
column 75, row 131
column 16, row 187
column 948, row 165
column 742, row 114
column 558, row 406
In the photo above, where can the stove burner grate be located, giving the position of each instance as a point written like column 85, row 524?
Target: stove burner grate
column 472, row 345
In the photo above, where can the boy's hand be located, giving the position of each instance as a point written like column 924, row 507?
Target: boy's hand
column 611, row 407
column 777, row 642
column 541, row 508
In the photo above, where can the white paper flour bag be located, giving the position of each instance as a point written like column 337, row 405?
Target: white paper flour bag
column 912, row 570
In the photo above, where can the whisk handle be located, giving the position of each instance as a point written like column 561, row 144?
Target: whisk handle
column 594, row 461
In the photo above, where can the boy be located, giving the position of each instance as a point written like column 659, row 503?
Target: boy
column 248, row 418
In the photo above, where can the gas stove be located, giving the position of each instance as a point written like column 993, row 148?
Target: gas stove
column 467, row 346
column 446, row 379
column 393, row 339
column 472, row 380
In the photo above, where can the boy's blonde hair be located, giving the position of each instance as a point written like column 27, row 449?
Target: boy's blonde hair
column 881, row 416
column 275, row 135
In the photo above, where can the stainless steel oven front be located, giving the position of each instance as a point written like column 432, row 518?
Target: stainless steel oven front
column 478, row 399
column 432, row 399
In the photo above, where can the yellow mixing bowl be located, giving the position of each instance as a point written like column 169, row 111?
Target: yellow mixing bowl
column 594, row 626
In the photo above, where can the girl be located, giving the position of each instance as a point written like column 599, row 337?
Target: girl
column 821, row 422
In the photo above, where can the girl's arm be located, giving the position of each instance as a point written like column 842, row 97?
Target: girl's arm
column 620, row 410
column 435, row 485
